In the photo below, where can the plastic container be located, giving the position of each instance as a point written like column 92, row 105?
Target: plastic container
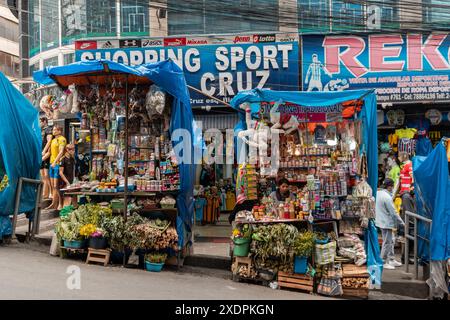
column 76, row 244
column 98, row 243
column 300, row 264
column 153, row 267
column 241, row 247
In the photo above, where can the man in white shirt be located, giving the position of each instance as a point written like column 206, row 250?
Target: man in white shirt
column 387, row 219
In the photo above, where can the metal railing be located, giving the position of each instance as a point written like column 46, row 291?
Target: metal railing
column 414, row 238
column 37, row 216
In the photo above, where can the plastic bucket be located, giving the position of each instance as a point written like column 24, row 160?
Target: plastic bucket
column 98, row 243
column 153, row 267
column 241, row 247
column 117, row 256
column 76, row 244
column 300, row 265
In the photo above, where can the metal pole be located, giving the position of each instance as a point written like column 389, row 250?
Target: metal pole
column 16, row 207
column 407, row 241
column 37, row 211
column 125, row 191
column 209, row 96
column 416, row 266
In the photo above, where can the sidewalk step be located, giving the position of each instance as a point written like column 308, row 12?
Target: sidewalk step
column 207, row 261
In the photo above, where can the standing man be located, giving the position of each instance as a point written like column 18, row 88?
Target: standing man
column 57, row 149
column 387, row 220
column 46, row 134
column 315, row 71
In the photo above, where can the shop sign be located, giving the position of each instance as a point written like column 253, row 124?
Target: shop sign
column 130, row 43
column 400, row 67
column 219, row 66
column 332, row 113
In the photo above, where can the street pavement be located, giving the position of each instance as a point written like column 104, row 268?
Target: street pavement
column 29, row 272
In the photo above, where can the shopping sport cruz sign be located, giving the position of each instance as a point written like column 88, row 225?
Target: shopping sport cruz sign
column 401, row 67
column 219, row 66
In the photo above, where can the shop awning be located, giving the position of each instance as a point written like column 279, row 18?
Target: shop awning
column 368, row 114
column 170, row 78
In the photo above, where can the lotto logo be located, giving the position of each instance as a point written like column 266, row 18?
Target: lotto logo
column 264, row 38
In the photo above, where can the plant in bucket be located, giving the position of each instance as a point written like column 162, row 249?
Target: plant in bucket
column 303, row 249
column 154, row 261
column 97, row 240
column 242, row 236
column 68, row 232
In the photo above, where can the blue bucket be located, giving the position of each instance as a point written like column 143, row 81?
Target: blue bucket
column 300, row 265
column 153, row 267
column 77, row 244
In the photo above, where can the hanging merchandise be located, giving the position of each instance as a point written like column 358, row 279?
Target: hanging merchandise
column 126, row 113
column 435, row 116
column 324, row 190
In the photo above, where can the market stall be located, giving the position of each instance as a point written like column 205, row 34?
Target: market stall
column 129, row 115
column 318, row 235
column 20, row 149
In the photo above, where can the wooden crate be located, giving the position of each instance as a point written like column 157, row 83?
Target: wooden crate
column 296, row 281
column 100, row 256
column 362, row 293
column 352, row 270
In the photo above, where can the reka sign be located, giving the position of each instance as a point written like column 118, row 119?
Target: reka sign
column 409, row 67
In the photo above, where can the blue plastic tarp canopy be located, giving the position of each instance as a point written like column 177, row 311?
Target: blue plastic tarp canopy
column 170, row 78
column 20, row 151
column 433, row 202
column 368, row 115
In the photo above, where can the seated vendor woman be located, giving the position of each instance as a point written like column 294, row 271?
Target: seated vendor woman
column 282, row 193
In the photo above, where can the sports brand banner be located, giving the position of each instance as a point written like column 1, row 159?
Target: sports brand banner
column 219, row 66
column 402, row 68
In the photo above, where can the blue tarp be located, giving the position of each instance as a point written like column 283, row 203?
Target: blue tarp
column 433, row 202
column 20, row 150
column 368, row 115
column 170, row 78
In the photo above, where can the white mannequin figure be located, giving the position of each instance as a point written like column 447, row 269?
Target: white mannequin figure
column 75, row 104
column 287, row 122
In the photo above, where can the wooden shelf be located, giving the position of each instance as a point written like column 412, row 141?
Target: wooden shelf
column 121, row 194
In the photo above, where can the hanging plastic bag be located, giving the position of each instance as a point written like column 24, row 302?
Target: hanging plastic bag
column 330, row 286
column 325, row 253
column 155, row 101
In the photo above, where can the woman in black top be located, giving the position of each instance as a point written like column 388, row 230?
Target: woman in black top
column 66, row 171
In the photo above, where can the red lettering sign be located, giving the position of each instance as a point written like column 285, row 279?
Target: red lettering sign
column 378, row 52
column 349, row 57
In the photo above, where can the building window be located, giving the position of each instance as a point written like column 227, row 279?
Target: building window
column 218, row 16
column 313, row 16
column 33, row 68
column 347, row 16
column 50, row 24
column 9, row 30
column 9, row 64
column 101, row 18
column 185, row 17
column 134, row 17
column 51, row 62
column 69, row 58
column 436, row 13
column 34, row 27
column 74, row 22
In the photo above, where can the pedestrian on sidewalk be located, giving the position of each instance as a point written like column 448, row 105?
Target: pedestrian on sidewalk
column 387, row 220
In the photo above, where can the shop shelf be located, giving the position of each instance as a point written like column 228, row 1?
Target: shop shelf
column 145, row 148
column 100, row 151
